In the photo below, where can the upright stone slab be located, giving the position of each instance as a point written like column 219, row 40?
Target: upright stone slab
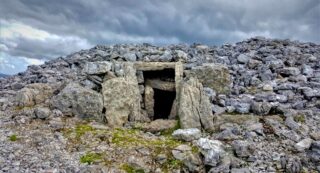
column 178, row 80
column 122, row 98
column 194, row 106
column 149, row 100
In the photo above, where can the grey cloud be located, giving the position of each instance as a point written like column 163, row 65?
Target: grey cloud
column 162, row 21
column 44, row 49
column 186, row 20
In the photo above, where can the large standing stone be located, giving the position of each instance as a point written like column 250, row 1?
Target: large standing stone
column 79, row 101
column 194, row 106
column 122, row 98
column 33, row 94
column 214, row 76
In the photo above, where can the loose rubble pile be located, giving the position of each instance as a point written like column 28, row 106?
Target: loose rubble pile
column 264, row 117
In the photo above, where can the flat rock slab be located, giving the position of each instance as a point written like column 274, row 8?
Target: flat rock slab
column 159, row 125
column 187, row 134
column 149, row 66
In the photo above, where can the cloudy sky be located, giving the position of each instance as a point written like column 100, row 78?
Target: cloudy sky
column 33, row 31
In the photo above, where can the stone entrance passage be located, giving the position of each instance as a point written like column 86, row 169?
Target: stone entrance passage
column 146, row 91
column 163, row 101
column 157, row 83
column 160, row 92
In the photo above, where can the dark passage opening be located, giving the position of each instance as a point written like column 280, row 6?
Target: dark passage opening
column 163, row 101
column 165, row 74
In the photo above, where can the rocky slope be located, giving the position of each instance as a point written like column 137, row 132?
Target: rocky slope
column 3, row 75
column 265, row 100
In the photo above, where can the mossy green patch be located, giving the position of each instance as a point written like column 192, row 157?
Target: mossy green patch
column 78, row 131
column 13, row 138
column 130, row 169
column 90, row 158
column 124, row 138
column 171, row 163
column 159, row 145
column 300, row 118
column 19, row 108
column 195, row 149
column 133, row 137
column 81, row 129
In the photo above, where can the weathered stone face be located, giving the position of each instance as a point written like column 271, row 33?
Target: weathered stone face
column 121, row 98
column 33, row 94
column 75, row 100
column 214, row 76
column 194, row 106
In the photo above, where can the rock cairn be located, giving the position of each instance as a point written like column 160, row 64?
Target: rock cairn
column 264, row 95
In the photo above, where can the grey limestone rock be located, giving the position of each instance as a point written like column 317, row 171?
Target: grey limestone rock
column 242, row 148
column 194, row 106
column 33, row 94
column 212, row 150
column 261, row 108
column 120, row 100
column 79, row 101
column 99, row 67
column 191, row 160
column 42, row 112
column 187, row 134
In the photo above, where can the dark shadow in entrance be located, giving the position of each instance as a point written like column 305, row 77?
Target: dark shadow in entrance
column 163, row 101
column 165, row 74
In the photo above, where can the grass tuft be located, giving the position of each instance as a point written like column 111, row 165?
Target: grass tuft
column 81, row 129
column 89, row 158
column 13, row 138
column 300, row 118
column 131, row 169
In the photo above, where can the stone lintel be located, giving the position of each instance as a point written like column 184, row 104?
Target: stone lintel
column 152, row 66
column 161, row 85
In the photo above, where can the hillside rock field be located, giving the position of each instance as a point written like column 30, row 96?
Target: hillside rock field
column 252, row 106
